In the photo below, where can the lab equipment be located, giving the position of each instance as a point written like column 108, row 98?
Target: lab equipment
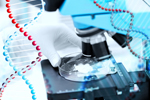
column 89, row 28
column 90, row 23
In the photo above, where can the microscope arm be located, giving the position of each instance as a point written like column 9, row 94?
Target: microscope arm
column 93, row 39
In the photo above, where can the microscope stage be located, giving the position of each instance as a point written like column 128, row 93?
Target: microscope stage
column 80, row 68
column 116, row 86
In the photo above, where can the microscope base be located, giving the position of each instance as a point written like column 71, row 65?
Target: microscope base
column 119, row 86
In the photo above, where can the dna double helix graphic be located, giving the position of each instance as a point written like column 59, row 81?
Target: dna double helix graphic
column 23, row 18
column 139, row 47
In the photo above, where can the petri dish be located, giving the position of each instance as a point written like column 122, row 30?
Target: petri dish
column 76, row 67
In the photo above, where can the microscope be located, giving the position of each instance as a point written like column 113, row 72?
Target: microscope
column 105, row 79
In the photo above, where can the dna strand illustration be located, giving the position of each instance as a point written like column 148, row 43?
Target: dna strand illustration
column 142, row 14
column 136, row 46
column 23, row 17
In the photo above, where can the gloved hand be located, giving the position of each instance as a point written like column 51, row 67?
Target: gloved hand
column 52, row 38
